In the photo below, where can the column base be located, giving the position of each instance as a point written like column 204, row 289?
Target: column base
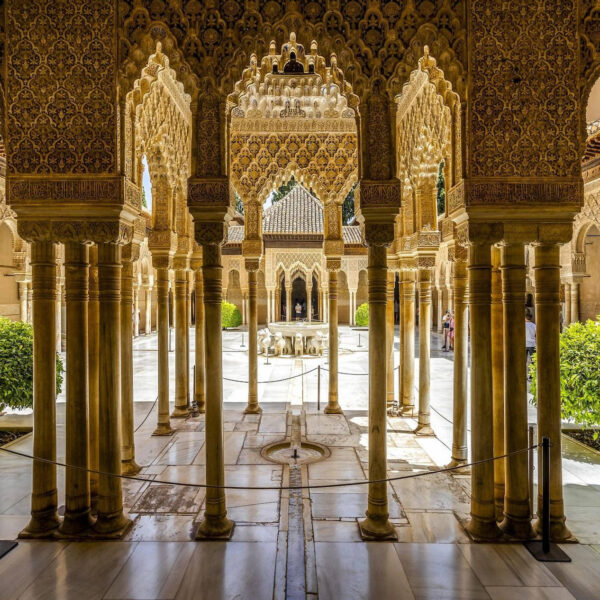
column 424, row 431
column 483, row 531
column 41, row 525
column 180, row 412
column 163, row 430
column 559, row 532
column 377, row 529
column 130, row 467
column 253, row 409
column 111, row 527
column 520, row 529
column 333, row 408
column 76, row 525
column 459, row 464
column 407, row 410
column 215, row 528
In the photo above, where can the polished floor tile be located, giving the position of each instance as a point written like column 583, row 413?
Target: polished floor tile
column 530, row 593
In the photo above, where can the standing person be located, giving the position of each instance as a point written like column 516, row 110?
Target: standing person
column 530, row 340
column 451, row 331
column 298, row 310
column 446, row 328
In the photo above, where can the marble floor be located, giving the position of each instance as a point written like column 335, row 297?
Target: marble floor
column 433, row 558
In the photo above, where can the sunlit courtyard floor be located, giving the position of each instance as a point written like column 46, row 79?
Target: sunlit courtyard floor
column 433, row 558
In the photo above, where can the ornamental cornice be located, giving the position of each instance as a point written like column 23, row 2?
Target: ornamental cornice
column 107, row 231
column 161, row 241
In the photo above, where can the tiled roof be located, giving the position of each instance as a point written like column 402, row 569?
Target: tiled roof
column 351, row 234
column 235, row 234
column 297, row 212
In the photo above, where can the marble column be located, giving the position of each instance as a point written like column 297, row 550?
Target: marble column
column 320, row 300
column 288, row 301
column 200, row 370
column 377, row 526
column 23, row 300
column 567, row 319
column 58, row 310
column 408, row 348
column 333, row 406
column 498, row 382
column 136, row 310
column 181, row 409
column 161, row 263
column 128, row 463
column 309, row 303
column 460, row 452
column 574, row 302
column 215, row 523
column 30, row 302
column 252, row 270
column 483, row 515
column 111, row 521
column 78, row 519
column 440, row 311
column 244, row 308
column 547, row 305
column 44, row 498
column 148, row 310
column 517, row 514
column 401, row 336
column 389, row 332
column 93, row 369
column 424, row 421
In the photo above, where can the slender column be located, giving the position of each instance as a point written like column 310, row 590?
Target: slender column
column 30, row 302
column 77, row 484
column 128, row 464
column 517, row 514
column 440, row 312
column 215, row 523
column 200, row 370
column 181, row 409
column 408, row 349
column 163, row 426
column 401, row 336
column 252, row 269
column 111, row 520
column 269, row 306
column 44, row 516
column 333, row 406
column 288, row 301
column 58, row 309
column 547, row 305
column 320, row 300
column 483, row 515
column 148, row 310
column 460, row 453
column 389, row 318
column 136, row 310
column 377, row 524
column 23, row 300
column 567, row 319
column 498, row 382
column 309, row 303
column 93, row 368
column 244, row 309
column 424, row 423
column 574, row 302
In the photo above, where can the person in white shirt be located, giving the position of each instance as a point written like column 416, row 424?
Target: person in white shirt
column 530, row 338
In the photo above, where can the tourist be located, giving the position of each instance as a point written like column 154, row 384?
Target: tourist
column 446, row 328
column 298, row 310
column 451, row 331
column 530, row 340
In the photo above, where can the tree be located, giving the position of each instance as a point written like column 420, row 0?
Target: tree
column 16, row 365
column 283, row 190
column 579, row 374
column 441, row 190
column 348, row 206
column 144, row 201
column 230, row 315
column 239, row 205
column 361, row 318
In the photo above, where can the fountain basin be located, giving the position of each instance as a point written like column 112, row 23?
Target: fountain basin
column 287, row 452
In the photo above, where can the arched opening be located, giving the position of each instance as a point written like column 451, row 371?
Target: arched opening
column 299, row 300
column 9, row 288
column 590, row 284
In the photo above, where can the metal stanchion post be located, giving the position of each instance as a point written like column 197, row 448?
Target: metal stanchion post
column 319, row 388
column 544, row 551
column 359, row 344
column 194, row 412
column 267, row 361
column 242, row 345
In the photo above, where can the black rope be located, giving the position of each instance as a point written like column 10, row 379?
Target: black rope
column 271, row 488
column 274, row 380
column 146, row 417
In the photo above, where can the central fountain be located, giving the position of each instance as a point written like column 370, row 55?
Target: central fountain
column 294, row 337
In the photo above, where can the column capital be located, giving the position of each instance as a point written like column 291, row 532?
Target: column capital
column 334, row 264
column 425, row 262
column 210, row 233
column 162, row 241
column 252, row 264
column 131, row 251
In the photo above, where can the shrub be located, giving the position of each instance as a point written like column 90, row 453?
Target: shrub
column 361, row 318
column 579, row 374
column 230, row 315
column 16, row 365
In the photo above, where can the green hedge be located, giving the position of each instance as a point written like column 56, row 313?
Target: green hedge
column 16, row 365
column 230, row 315
column 361, row 318
column 579, row 373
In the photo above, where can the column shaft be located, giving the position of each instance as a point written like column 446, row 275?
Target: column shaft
column 163, row 425
column 58, row 311
column 547, row 307
column 567, row 319
column 574, row 302
column 215, row 523
column 252, row 407
column 288, row 302
column 377, row 525
column 128, row 464
column 111, row 520
column 460, row 451
column 424, row 423
column 136, row 310
column 23, row 301
column 401, row 336
column 483, row 515
column 93, row 368
column 333, row 406
column 498, row 382
column 44, row 516
column 389, row 315
column 408, row 349
column 181, row 409
column 309, row 304
column 200, row 371
column 517, row 515
column 148, row 311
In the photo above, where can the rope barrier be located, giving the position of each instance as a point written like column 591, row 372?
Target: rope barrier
column 274, row 380
column 147, row 415
column 271, row 488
